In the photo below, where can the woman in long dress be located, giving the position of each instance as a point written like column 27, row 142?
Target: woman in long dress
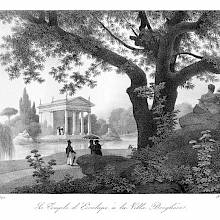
column 98, row 148
column 91, row 147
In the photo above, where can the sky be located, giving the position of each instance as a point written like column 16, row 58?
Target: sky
column 110, row 92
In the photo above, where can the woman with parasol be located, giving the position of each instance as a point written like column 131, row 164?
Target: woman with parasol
column 98, row 148
column 95, row 148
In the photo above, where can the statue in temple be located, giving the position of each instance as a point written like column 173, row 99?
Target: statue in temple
column 209, row 102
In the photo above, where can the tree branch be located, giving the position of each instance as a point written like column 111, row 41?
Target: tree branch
column 93, row 67
column 131, row 27
column 176, row 46
column 116, row 38
column 178, row 17
column 176, row 31
column 191, row 54
column 29, row 17
column 90, row 46
column 135, row 73
column 42, row 16
column 194, row 69
column 53, row 18
column 144, row 21
column 184, row 27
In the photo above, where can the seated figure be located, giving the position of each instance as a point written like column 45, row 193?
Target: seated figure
column 210, row 102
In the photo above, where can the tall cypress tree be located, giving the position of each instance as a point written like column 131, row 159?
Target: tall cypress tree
column 25, row 108
column 34, row 117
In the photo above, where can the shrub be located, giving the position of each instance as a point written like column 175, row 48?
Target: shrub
column 42, row 171
column 179, row 140
column 109, row 180
column 202, row 177
column 67, row 185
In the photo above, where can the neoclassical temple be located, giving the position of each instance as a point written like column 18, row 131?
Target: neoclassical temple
column 67, row 114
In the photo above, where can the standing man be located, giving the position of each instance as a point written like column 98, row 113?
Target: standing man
column 70, row 153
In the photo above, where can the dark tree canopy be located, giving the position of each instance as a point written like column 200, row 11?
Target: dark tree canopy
column 123, row 39
column 170, row 46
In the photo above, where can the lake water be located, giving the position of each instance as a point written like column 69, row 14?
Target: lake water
column 45, row 149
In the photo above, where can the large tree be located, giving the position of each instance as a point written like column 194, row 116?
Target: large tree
column 9, row 112
column 174, row 45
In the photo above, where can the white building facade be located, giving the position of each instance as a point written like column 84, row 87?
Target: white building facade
column 67, row 115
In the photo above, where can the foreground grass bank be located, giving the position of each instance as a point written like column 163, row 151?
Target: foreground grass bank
column 15, row 165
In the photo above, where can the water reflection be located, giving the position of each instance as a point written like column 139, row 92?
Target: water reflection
column 7, row 153
column 45, row 149
column 7, row 149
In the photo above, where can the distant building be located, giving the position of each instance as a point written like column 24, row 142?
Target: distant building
column 66, row 116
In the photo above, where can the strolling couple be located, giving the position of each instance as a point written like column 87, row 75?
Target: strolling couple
column 95, row 148
column 70, row 153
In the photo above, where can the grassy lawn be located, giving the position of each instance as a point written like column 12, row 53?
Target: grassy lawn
column 15, row 165
column 29, row 180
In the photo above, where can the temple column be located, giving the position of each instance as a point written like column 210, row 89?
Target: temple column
column 41, row 118
column 77, row 123
column 82, row 124
column 74, row 123
column 66, row 122
column 51, row 119
column 89, row 123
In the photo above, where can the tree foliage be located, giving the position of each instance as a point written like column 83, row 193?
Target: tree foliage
column 25, row 108
column 28, row 119
column 27, row 112
column 98, row 126
column 9, row 112
column 171, row 46
column 68, row 35
column 122, row 121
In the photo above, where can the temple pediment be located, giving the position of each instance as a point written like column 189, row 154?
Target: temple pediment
column 80, row 101
column 77, row 103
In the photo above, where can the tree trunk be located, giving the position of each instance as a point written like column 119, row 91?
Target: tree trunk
column 170, row 91
column 143, row 117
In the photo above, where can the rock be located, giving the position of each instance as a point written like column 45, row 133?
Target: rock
column 198, row 110
column 206, row 114
column 194, row 121
column 92, row 164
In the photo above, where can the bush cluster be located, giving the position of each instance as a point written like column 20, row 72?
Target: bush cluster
column 42, row 171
